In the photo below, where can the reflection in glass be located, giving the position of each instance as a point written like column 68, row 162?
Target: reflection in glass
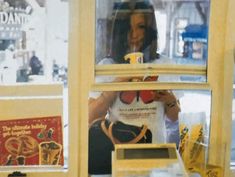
column 161, row 78
column 198, row 102
column 233, row 132
column 33, row 41
column 132, row 106
column 33, row 49
column 233, row 125
column 113, row 114
column 175, row 31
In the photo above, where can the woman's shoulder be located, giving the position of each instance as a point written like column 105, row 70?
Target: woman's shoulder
column 163, row 59
column 106, row 61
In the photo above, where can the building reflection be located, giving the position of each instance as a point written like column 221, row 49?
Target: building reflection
column 30, row 28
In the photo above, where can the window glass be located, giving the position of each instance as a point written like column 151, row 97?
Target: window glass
column 161, row 78
column 33, row 74
column 33, row 41
column 171, row 32
column 233, row 125
column 163, row 116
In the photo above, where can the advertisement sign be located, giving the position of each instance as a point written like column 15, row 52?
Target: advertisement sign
column 33, row 141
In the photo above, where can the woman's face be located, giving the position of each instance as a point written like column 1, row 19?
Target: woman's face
column 137, row 32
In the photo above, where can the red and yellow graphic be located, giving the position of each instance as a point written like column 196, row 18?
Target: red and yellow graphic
column 34, row 141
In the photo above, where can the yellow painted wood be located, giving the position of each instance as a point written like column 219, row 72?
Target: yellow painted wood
column 148, row 86
column 74, row 81
column 216, row 69
column 220, row 72
column 32, row 90
column 228, row 83
column 83, row 48
column 140, row 146
column 29, row 108
column 150, row 69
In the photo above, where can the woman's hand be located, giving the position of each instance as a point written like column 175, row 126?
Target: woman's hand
column 165, row 96
column 171, row 104
column 98, row 107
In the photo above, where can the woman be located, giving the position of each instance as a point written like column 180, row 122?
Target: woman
column 134, row 30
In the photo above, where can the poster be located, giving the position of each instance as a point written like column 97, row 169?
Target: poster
column 32, row 141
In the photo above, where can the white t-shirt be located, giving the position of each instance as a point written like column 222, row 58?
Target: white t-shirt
column 138, row 113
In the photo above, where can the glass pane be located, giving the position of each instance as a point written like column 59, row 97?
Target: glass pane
column 233, row 125
column 162, row 31
column 33, row 41
column 233, row 133
column 33, row 50
column 143, row 116
column 158, row 78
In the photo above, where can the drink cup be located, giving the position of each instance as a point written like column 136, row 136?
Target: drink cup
column 49, row 153
column 134, row 57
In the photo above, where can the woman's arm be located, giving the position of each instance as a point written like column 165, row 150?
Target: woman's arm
column 172, row 110
column 98, row 107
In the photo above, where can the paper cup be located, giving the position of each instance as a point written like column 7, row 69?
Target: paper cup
column 134, row 58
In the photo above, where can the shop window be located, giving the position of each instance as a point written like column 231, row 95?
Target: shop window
column 33, row 81
column 159, row 78
column 132, row 110
column 179, row 36
column 33, row 42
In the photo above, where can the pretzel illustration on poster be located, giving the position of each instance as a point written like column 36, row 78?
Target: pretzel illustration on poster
column 32, row 141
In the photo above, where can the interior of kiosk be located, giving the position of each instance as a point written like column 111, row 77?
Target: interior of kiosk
column 204, row 82
column 183, row 28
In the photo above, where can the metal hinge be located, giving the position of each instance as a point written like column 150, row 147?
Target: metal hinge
column 17, row 174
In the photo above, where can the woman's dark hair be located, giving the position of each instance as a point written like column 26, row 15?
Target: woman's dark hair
column 121, row 26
